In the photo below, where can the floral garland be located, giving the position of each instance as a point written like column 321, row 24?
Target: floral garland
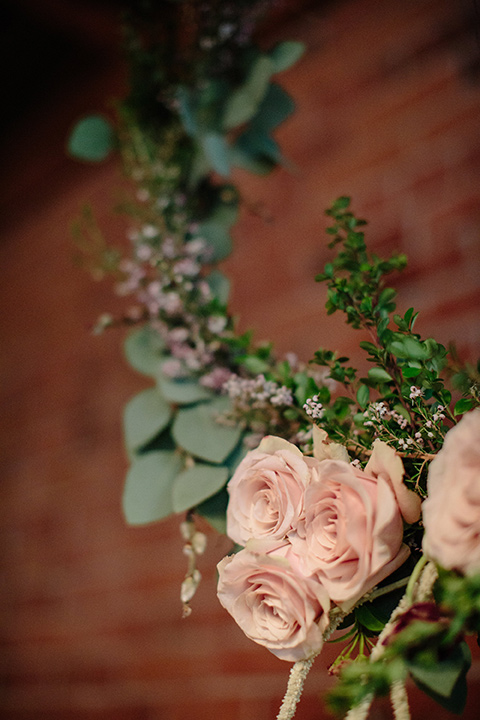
column 318, row 476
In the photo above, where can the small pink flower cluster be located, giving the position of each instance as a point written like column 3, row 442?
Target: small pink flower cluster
column 315, row 531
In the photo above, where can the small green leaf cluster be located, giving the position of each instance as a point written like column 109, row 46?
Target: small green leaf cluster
column 355, row 278
column 421, row 651
column 403, row 399
column 459, row 596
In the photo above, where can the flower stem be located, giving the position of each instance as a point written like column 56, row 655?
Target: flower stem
column 417, row 571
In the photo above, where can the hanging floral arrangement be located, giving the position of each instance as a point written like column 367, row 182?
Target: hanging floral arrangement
column 352, row 503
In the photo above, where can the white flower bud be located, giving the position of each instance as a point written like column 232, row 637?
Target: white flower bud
column 199, row 543
column 188, row 589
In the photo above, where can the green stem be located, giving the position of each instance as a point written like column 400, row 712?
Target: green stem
column 417, row 570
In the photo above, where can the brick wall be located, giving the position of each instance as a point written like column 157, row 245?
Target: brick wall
column 91, row 623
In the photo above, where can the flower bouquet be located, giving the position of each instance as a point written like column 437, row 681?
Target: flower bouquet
column 352, row 503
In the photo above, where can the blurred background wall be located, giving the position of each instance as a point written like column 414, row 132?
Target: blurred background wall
column 388, row 99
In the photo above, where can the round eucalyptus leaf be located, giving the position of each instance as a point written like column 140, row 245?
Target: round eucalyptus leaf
column 219, row 285
column 144, row 350
column 197, row 431
column 196, row 484
column 144, row 417
column 91, row 139
column 147, row 496
column 183, row 391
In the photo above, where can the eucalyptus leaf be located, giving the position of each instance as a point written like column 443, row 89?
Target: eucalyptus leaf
column 275, row 107
column 198, row 433
column 214, row 510
column 183, row 391
column 243, row 103
column 145, row 416
column 147, row 496
column 219, row 285
column 91, row 139
column 286, row 54
column 217, row 152
column 216, row 230
column 186, row 109
column 196, row 484
column 144, row 350
column 244, row 157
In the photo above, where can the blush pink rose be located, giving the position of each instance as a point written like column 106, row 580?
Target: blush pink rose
column 451, row 512
column 274, row 603
column 351, row 538
column 267, row 491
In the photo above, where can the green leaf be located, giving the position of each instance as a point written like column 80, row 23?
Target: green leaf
column 363, row 396
column 366, row 617
column 196, row 484
column 214, row 510
column 91, row 139
column 145, row 416
column 411, row 372
column 275, row 107
column 217, row 152
column 216, row 230
column 243, row 103
column 255, row 365
column 144, row 350
column 463, row 405
column 259, row 144
column 219, row 285
column 408, row 347
column 379, row 375
column 182, row 391
column 286, row 54
column 445, row 679
column 246, row 158
column 197, row 432
column 148, row 489
column 187, row 110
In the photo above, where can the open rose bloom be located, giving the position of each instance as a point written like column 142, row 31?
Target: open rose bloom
column 317, row 530
column 451, row 512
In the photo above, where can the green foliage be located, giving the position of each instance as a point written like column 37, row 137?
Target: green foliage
column 219, row 285
column 184, row 391
column 145, row 416
column 147, row 496
column 92, row 139
column 195, row 484
column 216, row 229
column 199, row 433
column 144, row 350
column 243, row 103
column 286, row 54
column 214, row 510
